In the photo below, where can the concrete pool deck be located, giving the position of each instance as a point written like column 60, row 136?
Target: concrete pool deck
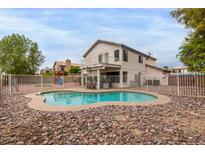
column 37, row 101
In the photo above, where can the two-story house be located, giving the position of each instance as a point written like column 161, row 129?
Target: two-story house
column 105, row 58
column 179, row 69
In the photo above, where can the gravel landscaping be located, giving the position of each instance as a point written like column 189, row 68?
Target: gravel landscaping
column 180, row 122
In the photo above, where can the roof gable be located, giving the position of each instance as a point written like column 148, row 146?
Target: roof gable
column 60, row 63
column 117, row 44
column 98, row 42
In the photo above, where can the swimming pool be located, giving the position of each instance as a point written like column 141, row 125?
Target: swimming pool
column 81, row 98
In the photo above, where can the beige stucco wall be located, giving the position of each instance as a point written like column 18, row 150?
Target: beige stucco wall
column 132, row 64
column 54, row 67
column 150, row 61
column 152, row 73
column 101, row 48
column 57, row 67
column 133, row 67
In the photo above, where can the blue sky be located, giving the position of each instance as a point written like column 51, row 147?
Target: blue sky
column 68, row 33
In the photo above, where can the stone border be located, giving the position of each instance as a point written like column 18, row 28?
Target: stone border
column 37, row 101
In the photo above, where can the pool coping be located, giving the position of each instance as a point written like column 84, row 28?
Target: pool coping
column 37, row 101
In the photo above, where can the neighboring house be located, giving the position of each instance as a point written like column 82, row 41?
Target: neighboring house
column 179, row 69
column 105, row 58
column 60, row 67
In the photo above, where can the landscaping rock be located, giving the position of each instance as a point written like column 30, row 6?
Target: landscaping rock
column 182, row 121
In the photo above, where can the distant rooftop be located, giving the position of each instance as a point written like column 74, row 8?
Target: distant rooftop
column 179, row 67
column 63, row 63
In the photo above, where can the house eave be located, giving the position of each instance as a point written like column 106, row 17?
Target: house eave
column 159, row 68
column 117, row 44
column 102, row 66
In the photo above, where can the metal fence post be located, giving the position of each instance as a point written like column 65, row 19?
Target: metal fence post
column 197, row 84
column 1, row 87
column 10, row 85
column 177, row 84
column 41, row 82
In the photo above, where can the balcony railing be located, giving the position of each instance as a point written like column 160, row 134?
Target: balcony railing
column 95, row 61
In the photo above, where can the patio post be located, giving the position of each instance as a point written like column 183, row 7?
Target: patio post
column 121, row 78
column 63, row 81
column 98, row 78
column 82, row 78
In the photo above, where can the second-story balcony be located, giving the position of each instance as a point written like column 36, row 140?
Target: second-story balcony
column 101, row 61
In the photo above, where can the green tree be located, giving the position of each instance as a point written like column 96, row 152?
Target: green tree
column 65, row 73
column 192, row 51
column 47, row 73
column 19, row 55
column 74, row 69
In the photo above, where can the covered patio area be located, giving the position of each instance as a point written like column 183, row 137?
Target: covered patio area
column 102, row 76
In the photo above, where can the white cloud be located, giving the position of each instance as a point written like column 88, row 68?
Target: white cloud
column 159, row 38
column 159, row 35
column 44, row 34
column 37, row 29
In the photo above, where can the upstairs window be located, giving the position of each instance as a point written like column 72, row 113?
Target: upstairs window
column 125, row 55
column 140, row 59
column 116, row 55
column 106, row 56
column 100, row 58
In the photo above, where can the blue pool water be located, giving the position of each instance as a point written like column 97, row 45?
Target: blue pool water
column 78, row 98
